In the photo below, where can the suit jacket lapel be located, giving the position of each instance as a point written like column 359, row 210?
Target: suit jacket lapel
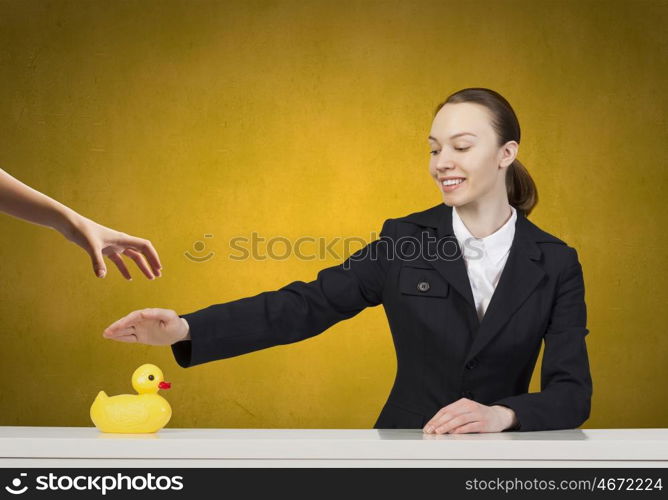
column 520, row 275
column 450, row 262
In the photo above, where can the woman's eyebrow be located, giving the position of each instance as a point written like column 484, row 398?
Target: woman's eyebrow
column 454, row 135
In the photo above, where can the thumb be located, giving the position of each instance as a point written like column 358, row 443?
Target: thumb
column 99, row 268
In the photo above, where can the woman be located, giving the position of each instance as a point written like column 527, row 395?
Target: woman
column 23, row 202
column 467, row 335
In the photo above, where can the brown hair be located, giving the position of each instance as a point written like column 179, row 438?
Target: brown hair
column 521, row 189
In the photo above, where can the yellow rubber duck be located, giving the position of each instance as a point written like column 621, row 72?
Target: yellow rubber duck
column 145, row 412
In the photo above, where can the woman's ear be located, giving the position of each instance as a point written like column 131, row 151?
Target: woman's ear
column 508, row 153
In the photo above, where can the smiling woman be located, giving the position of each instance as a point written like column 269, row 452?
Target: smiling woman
column 455, row 319
column 482, row 156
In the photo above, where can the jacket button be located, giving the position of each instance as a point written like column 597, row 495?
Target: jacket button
column 472, row 364
column 423, row 286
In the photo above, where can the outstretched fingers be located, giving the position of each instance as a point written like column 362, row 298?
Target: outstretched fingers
column 116, row 259
column 144, row 248
column 132, row 338
column 117, row 327
column 140, row 261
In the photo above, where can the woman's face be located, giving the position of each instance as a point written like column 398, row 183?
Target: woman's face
column 463, row 145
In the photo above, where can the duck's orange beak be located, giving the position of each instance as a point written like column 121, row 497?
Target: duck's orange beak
column 164, row 385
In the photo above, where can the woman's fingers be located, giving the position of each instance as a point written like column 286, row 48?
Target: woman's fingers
column 448, row 413
column 124, row 322
column 475, row 426
column 99, row 268
column 121, row 331
column 455, row 422
column 127, row 338
column 152, row 256
column 115, row 331
column 98, row 240
column 116, row 259
column 432, row 424
column 147, row 250
column 128, row 325
column 139, row 260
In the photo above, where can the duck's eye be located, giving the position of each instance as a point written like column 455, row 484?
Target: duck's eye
column 151, row 377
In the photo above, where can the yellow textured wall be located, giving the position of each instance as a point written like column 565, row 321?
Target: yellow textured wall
column 175, row 119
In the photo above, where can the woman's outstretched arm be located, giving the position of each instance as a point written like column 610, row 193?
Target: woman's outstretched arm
column 295, row 312
column 22, row 201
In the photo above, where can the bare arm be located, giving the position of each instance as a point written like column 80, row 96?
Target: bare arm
column 22, row 201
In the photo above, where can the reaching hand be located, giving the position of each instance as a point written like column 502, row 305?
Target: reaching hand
column 98, row 240
column 22, row 201
column 149, row 326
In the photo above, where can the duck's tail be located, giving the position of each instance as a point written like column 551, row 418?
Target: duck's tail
column 101, row 396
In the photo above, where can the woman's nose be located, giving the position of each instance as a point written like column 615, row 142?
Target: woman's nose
column 443, row 162
column 442, row 166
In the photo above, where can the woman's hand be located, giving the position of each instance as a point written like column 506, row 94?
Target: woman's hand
column 149, row 326
column 465, row 415
column 98, row 240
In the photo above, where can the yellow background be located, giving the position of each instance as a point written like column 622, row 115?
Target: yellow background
column 174, row 119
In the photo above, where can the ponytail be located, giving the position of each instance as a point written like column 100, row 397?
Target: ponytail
column 521, row 189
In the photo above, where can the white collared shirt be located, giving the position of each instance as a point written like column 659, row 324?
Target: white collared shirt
column 484, row 257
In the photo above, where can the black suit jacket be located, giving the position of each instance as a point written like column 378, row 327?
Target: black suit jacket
column 443, row 351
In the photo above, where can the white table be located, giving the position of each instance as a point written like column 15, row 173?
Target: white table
column 87, row 447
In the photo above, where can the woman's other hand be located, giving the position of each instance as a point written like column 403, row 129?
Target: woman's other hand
column 465, row 415
column 149, row 326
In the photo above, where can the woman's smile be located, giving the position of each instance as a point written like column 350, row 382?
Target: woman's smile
column 450, row 184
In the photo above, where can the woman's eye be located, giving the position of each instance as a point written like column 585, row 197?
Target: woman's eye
column 433, row 153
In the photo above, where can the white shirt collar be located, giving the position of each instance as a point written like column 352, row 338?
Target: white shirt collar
column 495, row 245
